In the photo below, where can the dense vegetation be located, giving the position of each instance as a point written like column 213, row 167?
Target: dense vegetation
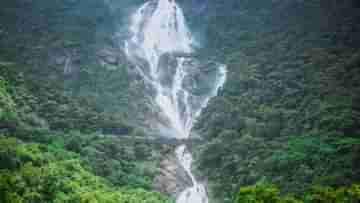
column 265, row 193
column 48, row 173
column 69, row 166
column 43, row 165
column 65, row 130
column 72, row 112
column 289, row 113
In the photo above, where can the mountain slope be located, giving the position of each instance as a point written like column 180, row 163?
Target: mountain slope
column 289, row 112
column 72, row 109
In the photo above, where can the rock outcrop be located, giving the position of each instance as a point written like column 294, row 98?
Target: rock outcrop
column 172, row 178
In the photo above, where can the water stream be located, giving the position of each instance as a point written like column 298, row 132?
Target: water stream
column 160, row 48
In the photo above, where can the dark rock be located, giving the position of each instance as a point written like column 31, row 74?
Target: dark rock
column 109, row 56
column 60, row 60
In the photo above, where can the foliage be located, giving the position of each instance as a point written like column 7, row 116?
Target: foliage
column 31, row 172
column 257, row 194
column 289, row 111
column 288, row 114
column 7, row 105
column 40, row 37
column 265, row 193
column 82, row 120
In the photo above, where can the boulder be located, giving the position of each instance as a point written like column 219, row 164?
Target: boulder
column 109, row 56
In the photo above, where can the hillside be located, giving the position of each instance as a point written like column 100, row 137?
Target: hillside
column 78, row 122
column 289, row 112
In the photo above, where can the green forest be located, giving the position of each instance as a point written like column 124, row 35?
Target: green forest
column 284, row 128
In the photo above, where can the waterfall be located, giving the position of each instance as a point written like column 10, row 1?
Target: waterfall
column 161, row 48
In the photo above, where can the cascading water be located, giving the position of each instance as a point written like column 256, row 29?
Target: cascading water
column 160, row 48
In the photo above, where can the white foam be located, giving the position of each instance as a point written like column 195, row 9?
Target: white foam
column 159, row 28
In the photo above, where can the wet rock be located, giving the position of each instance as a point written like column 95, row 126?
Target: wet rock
column 60, row 60
column 111, row 59
column 168, row 65
column 172, row 179
column 108, row 56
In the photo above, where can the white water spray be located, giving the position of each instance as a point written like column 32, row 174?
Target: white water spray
column 159, row 48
